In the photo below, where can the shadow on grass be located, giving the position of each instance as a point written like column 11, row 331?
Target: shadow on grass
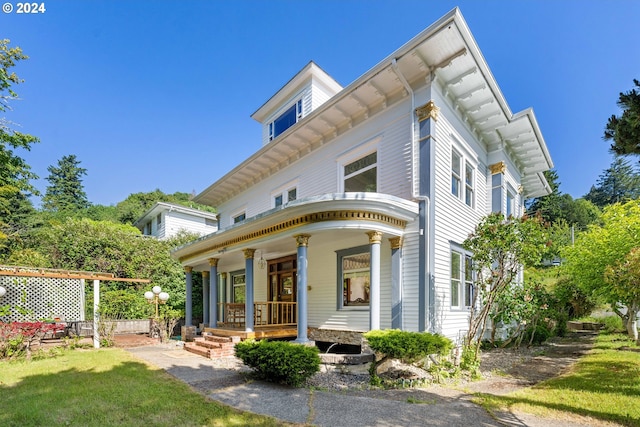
column 127, row 393
column 604, row 385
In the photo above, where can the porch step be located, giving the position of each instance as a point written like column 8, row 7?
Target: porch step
column 212, row 346
column 193, row 347
column 217, row 338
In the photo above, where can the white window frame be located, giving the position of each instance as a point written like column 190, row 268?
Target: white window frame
column 236, row 215
column 341, row 254
column 469, row 185
column 284, row 193
column 511, row 203
column 271, row 125
column 465, row 280
column 363, row 150
column 456, row 176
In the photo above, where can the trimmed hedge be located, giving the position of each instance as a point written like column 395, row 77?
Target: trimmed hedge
column 279, row 361
column 407, row 346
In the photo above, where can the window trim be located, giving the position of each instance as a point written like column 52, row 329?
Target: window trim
column 271, row 127
column 340, row 254
column 465, row 282
column 232, row 276
column 469, row 187
column 456, row 176
column 238, row 214
column 284, row 191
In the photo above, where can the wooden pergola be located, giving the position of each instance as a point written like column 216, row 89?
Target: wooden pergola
column 17, row 271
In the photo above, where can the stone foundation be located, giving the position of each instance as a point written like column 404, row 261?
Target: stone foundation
column 340, row 337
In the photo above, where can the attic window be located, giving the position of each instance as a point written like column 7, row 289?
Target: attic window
column 285, row 120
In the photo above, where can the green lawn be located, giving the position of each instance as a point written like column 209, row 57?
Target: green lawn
column 605, row 385
column 106, row 387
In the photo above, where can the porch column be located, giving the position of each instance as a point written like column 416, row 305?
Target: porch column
column 302, row 241
column 213, row 292
column 396, row 282
column 248, row 298
column 188, row 319
column 375, row 237
column 205, row 298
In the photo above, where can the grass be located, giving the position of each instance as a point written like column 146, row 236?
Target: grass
column 603, row 385
column 106, row 387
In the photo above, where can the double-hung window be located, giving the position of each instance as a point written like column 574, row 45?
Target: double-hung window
column 238, row 283
column 456, row 171
column 285, row 120
column 354, row 276
column 469, row 177
column 463, row 179
column 362, row 174
column 461, row 279
column 511, row 203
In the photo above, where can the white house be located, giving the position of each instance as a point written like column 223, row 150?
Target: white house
column 351, row 214
column 165, row 220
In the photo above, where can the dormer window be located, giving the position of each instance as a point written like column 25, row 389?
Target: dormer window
column 285, row 120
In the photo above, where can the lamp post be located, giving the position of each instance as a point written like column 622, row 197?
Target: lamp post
column 156, row 296
column 3, row 291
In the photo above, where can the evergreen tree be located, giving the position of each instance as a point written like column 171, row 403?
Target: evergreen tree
column 66, row 192
column 619, row 183
column 624, row 130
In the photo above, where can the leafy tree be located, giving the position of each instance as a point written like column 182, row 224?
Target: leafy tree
column 500, row 248
column 65, row 194
column 558, row 207
column 624, row 281
column 618, row 184
column 103, row 246
column 14, row 171
column 624, row 130
column 602, row 247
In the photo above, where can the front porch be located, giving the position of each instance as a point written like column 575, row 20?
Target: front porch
column 271, row 319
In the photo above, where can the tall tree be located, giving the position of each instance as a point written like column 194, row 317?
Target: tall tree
column 15, row 173
column 618, row 184
column 66, row 191
column 624, row 130
column 604, row 249
column 559, row 208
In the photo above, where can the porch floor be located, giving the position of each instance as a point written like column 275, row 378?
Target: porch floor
column 259, row 332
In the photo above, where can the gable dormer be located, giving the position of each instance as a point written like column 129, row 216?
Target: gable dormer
column 305, row 92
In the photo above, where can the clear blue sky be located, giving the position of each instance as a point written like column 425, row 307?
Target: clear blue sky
column 158, row 94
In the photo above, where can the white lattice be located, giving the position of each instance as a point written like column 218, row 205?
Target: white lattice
column 42, row 298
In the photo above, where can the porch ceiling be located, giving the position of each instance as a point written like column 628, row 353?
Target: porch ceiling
column 446, row 54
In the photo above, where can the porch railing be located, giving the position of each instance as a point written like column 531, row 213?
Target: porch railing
column 268, row 313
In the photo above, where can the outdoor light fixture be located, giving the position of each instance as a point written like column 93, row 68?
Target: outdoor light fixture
column 3, row 291
column 156, row 296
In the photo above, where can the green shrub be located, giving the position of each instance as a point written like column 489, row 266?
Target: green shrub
column 279, row 361
column 537, row 336
column 407, row 346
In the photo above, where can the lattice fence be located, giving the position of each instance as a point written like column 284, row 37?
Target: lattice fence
column 43, row 298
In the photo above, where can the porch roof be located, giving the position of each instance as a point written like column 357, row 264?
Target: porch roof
column 344, row 211
column 446, row 54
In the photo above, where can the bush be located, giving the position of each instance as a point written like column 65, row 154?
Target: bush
column 407, row 346
column 279, row 361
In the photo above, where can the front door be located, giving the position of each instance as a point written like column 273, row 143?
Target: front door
column 282, row 289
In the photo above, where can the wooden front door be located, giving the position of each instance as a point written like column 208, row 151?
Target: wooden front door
column 282, row 288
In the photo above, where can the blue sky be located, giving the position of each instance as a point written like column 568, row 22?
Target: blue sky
column 158, row 94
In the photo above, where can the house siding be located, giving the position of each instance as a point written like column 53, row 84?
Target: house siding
column 319, row 173
column 174, row 222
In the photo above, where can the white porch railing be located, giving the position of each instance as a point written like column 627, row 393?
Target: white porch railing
column 268, row 313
